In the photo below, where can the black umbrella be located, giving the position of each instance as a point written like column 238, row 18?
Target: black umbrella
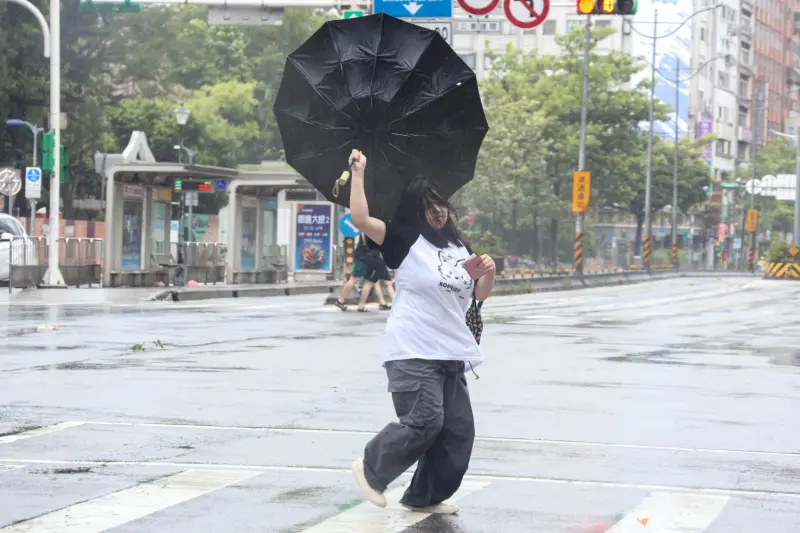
column 395, row 91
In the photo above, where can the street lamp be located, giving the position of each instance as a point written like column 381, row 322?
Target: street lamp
column 648, row 186
column 182, row 114
column 35, row 130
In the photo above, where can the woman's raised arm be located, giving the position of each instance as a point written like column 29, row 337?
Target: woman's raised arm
column 372, row 227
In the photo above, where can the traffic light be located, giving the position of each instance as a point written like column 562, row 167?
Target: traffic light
column 48, row 143
column 607, row 7
column 349, row 249
column 64, row 176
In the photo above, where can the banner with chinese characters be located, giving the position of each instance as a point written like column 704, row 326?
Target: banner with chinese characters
column 313, row 244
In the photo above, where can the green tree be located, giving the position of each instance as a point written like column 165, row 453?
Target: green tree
column 693, row 175
column 533, row 102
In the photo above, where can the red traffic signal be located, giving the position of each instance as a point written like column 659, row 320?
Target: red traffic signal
column 607, row 7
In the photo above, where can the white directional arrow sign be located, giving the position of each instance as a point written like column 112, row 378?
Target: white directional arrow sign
column 412, row 7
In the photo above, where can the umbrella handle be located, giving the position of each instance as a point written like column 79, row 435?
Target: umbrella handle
column 340, row 182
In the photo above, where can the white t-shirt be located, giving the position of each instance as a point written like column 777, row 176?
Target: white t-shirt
column 433, row 294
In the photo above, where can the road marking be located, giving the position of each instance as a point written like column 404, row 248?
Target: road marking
column 39, row 432
column 473, row 477
column 518, row 440
column 6, row 468
column 366, row 518
column 672, row 513
column 113, row 510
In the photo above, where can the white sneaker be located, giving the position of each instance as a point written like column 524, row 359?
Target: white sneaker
column 371, row 495
column 442, row 508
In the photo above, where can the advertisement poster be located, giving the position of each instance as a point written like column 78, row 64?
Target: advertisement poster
column 673, row 55
column 313, row 234
column 705, row 126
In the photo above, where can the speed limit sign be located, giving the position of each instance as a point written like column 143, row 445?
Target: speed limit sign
column 442, row 27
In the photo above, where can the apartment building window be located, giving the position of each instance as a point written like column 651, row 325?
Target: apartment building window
column 744, row 86
column 469, row 59
column 723, row 80
column 723, row 147
column 744, row 116
column 549, row 27
column 726, row 44
column 702, row 34
column 571, row 23
column 602, row 23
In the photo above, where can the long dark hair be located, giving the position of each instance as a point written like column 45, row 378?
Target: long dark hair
column 419, row 197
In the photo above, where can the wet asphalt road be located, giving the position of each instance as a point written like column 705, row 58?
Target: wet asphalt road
column 668, row 405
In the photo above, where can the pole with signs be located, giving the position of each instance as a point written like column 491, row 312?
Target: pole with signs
column 751, row 228
column 581, row 190
column 581, row 179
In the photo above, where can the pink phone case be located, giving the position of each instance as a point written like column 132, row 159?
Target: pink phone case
column 471, row 265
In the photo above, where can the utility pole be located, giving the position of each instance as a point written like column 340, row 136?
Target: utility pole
column 756, row 138
column 53, row 277
column 675, row 262
column 648, row 185
column 579, row 217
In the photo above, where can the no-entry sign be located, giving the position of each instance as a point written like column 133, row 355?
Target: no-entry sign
column 524, row 14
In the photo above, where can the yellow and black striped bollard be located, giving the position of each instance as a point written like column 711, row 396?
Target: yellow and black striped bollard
column 675, row 254
column 646, row 254
column 578, row 257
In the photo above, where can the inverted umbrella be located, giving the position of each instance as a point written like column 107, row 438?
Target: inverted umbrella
column 392, row 89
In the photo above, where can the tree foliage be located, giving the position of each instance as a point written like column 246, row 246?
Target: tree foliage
column 122, row 72
column 523, row 186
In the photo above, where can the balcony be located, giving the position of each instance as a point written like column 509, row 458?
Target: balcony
column 745, row 59
column 744, row 134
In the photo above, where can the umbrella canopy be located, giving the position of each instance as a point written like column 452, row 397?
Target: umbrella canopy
column 392, row 89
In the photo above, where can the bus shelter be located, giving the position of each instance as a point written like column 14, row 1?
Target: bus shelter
column 256, row 231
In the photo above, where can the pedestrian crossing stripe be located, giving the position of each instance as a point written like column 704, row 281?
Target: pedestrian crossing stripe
column 118, row 508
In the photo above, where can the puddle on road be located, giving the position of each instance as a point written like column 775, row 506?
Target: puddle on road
column 46, row 347
column 668, row 358
column 304, row 493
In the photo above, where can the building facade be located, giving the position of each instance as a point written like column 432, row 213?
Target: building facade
column 474, row 37
column 777, row 58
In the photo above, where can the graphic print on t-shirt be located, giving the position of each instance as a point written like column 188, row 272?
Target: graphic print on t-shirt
column 456, row 279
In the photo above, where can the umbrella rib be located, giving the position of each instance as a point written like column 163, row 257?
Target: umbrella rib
column 327, row 150
column 325, row 98
column 341, row 66
column 425, row 104
column 307, row 121
column 410, row 72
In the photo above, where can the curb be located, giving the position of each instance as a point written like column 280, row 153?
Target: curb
column 503, row 286
column 531, row 285
column 215, row 293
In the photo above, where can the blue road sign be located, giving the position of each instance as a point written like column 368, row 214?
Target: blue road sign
column 424, row 9
column 221, row 185
column 347, row 228
column 33, row 174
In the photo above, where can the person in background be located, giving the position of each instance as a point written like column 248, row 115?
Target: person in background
column 367, row 269
column 359, row 267
column 427, row 346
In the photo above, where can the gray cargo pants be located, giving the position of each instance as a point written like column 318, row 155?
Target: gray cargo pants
column 436, row 428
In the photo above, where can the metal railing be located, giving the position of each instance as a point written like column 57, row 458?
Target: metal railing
column 80, row 260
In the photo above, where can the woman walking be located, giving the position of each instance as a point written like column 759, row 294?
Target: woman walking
column 427, row 345
column 366, row 266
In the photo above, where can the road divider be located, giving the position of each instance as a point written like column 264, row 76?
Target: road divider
column 509, row 285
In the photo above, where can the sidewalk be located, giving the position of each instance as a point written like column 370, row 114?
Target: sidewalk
column 99, row 295
column 222, row 290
